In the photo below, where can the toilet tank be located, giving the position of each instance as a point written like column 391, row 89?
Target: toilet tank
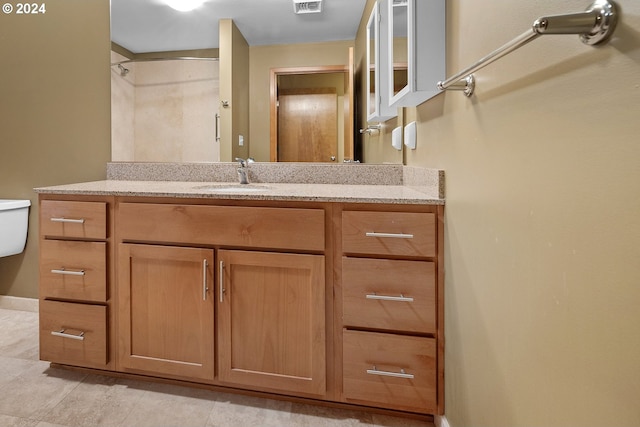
column 14, row 220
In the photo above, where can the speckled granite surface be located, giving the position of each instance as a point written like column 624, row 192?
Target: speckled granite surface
column 433, row 179
column 281, row 182
column 397, row 194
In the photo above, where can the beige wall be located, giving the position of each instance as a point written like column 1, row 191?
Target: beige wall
column 542, row 220
column 54, row 112
column 263, row 58
column 234, row 88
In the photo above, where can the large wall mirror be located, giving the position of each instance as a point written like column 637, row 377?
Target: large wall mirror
column 165, row 71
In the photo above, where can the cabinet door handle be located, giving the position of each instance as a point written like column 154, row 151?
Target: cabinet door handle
column 391, row 235
column 217, row 127
column 63, row 334
column 221, row 280
column 205, row 288
column 73, row 221
column 68, row 272
column 401, row 374
column 401, row 298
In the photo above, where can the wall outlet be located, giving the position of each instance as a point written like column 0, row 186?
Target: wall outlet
column 240, row 140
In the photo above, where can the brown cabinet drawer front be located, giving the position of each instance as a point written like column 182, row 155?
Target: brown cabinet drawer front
column 389, row 294
column 73, row 270
column 377, row 369
column 74, row 334
column 279, row 228
column 389, row 233
column 73, row 219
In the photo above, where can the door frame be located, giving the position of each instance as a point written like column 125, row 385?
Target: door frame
column 273, row 95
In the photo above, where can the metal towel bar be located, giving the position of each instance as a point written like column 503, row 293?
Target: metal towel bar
column 595, row 26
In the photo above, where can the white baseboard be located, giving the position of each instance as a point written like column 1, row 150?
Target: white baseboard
column 18, row 303
column 440, row 421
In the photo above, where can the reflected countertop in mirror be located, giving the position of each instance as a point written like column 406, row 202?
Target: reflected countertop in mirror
column 261, row 172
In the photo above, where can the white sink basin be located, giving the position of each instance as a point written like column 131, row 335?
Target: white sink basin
column 234, row 188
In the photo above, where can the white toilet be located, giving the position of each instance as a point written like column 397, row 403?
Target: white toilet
column 14, row 220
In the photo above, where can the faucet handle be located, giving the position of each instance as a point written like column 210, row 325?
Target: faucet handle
column 243, row 162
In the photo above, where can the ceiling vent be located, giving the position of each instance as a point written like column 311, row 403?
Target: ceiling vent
column 307, row 6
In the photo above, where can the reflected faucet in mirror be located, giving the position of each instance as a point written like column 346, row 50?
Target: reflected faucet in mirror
column 243, row 169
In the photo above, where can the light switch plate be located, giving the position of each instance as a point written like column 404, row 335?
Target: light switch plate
column 410, row 135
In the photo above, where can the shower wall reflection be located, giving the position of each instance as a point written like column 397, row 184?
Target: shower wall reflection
column 164, row 111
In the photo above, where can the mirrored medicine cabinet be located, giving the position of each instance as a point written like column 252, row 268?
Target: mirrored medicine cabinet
column 379, row 109
column 416, row 42
column 405, row 54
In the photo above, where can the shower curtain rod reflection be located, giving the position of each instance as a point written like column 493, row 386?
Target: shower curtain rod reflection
column 168, row 58
column 124, row 70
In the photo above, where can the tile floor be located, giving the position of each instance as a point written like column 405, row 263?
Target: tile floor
column 32, row 394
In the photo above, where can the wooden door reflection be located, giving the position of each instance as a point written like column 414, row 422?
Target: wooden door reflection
column 308, row 125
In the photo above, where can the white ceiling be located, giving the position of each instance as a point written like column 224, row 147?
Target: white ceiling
column 152, row 26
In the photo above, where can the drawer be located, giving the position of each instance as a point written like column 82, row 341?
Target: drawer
column 73, row 270
column 392, row 371
column 243, row 226
column 73, row 334
column 86, row 220
column 389, row 294
column 389, row 233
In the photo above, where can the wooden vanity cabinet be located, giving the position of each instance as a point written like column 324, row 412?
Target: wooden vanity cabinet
column 341, row 302
column 263, row 298
column 390, row 291
column 75, row 297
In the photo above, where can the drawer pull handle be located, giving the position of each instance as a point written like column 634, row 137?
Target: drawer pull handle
column 63, row 334
column 73, row 221
column 68, row 272
column 391, row 235
column 401, row 374
column 401, row 298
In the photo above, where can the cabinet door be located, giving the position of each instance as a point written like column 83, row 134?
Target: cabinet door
column 416, row 50
column 272, row 321
column 166, row 321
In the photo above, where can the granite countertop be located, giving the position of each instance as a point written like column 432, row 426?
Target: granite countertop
column 354, row 183
column 398, row 194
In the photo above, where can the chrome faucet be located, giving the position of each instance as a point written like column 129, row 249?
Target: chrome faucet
column 243, row 169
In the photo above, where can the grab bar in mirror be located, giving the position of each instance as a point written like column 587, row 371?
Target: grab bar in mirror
column 595, row 26
column 371, row 128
